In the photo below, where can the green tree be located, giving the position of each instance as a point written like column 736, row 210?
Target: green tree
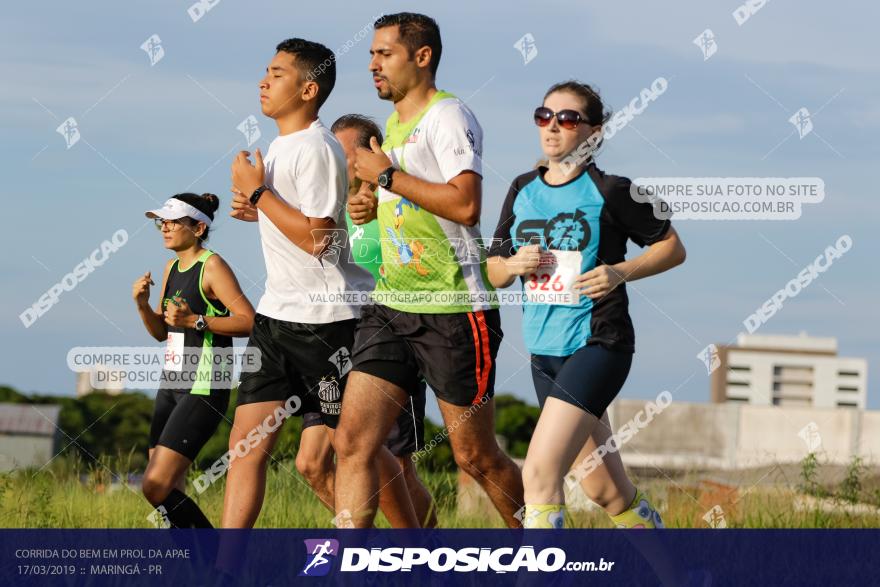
column 515, row 420
column 9, row 395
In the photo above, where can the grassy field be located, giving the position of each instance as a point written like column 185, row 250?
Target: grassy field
column 65, row 496
column 69, row 495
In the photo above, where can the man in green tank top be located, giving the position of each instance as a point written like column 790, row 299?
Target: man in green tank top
column 353, row 131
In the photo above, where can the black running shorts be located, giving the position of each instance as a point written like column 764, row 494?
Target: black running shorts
column 310, row 361
column 455, row 353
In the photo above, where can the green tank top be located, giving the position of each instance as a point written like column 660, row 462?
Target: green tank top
column 196, row 362
column 366, row 248
column 433, row 265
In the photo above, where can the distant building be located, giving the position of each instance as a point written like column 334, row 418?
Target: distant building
column 110, row 381
column 29, row 435
column 787, row 370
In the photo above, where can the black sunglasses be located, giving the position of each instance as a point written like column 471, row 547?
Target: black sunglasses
column 567, row 119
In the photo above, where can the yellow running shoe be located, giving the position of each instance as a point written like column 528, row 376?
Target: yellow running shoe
column 640, row 514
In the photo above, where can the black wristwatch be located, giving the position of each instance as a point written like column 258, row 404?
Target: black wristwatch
column 385, row 178
column 201, row 324
column 255, row 197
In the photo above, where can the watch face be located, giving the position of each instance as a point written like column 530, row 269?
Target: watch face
column 383, row 180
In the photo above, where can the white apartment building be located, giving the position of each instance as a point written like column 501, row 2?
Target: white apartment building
column 789, row 370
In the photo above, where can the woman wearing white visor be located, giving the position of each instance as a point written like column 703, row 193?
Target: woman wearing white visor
column 201, row 308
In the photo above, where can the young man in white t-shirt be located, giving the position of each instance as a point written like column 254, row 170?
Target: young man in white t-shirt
column 303, row 334
column 435, row 313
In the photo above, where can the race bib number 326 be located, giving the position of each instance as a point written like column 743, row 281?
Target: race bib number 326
column 552, row 281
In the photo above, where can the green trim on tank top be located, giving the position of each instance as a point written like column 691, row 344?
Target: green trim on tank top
column 212, row 310
column 397, row 133
column 202, row 384
column 200, row 258
column 205, row 370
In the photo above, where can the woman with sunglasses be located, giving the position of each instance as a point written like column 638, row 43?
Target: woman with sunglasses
column 563, row 232
column 201, row 308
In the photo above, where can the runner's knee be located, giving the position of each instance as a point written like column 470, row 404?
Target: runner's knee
column 314, row 469
column 351, row 444
column 156, row 487
column 476, row 462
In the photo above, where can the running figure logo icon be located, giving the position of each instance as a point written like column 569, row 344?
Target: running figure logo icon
column 159, row 517
column 70, row 131
column 153, row 48
column 710, row 358
column 715, row 517
column 810, row 435
column 320, row 553
column 527, row 47
column 802, row 121
column 341, row 358
column 706, row 42
column 335, row 239
column 250, row 128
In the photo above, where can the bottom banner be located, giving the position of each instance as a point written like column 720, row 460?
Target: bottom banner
column 450, row 557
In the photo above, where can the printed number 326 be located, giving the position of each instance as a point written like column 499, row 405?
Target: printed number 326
column 542, row 282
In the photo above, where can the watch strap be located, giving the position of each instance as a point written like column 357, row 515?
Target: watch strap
column 255, row 197
column 388, row 175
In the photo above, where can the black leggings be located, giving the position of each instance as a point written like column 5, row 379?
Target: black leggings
column 184, row 422
column 589, row 379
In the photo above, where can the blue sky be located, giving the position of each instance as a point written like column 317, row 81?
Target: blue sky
column 151, row 131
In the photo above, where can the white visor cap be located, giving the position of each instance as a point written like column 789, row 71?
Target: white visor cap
column 174, row 209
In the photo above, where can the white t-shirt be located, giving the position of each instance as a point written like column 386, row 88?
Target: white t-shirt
column 307, row 170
